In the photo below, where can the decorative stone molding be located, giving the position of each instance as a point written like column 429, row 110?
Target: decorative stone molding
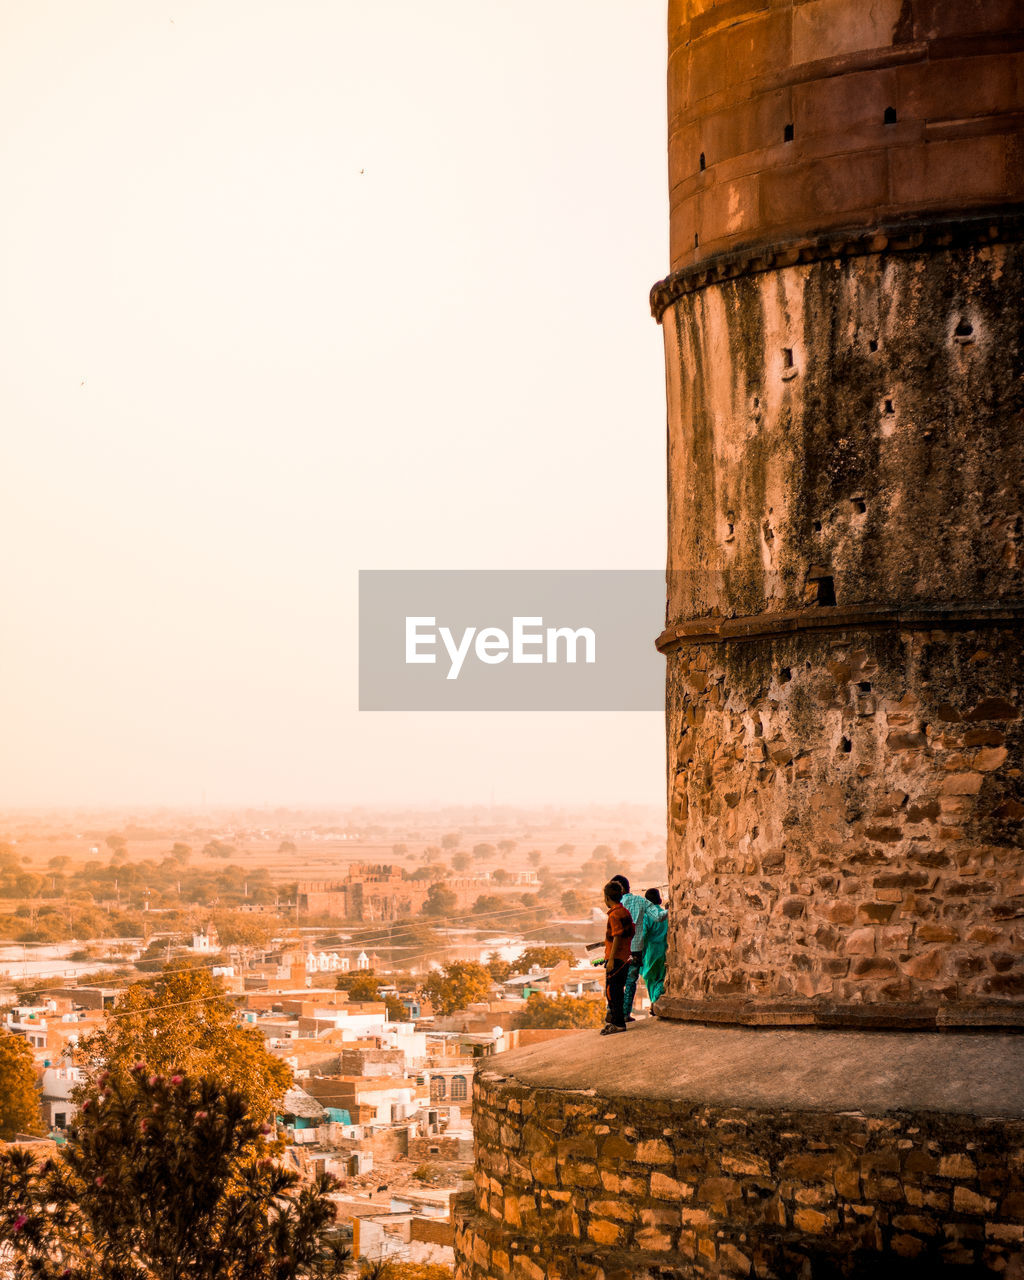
column 854, row 618
column 906, row 236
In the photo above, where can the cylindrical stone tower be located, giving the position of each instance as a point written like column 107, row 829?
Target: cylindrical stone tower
column 844, row 335
column 834, row 1086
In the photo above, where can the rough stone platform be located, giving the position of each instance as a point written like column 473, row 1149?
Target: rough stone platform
column 687, row 1151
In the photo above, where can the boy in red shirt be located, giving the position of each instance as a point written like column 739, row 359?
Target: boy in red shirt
column 617, row 937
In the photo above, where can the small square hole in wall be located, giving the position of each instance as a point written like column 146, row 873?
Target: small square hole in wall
column 890, row 116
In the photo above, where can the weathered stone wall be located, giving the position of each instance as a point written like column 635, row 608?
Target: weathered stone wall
column 846, row 661
column 569, row 1185
column 844, row 419
column 846, row 815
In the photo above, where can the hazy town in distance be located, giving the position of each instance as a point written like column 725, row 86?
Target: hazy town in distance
column 378, row 954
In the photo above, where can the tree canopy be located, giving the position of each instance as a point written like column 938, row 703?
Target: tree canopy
column 161, row 1178
column 560, row 1011
column 182, row 1022
column 19, row 1097
column 542, row 958
column 440, row 901
column 459, row 984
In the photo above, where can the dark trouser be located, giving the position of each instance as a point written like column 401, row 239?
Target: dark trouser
column 614, row 986
column 632, row 977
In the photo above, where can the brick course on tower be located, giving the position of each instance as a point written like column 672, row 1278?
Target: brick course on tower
column 834, row 1085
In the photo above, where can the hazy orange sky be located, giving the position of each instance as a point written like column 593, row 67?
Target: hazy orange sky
column 291, row 289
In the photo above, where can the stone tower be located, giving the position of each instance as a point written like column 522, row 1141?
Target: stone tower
column 844, row 344
column 834, row 1085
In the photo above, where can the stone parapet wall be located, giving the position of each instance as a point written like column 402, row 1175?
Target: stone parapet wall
column 573, row 1186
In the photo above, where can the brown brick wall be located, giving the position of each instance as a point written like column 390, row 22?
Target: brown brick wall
column 742, row 71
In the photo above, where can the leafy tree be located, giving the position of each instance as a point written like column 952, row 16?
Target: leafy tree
column 435, row 871
column 364, row 987
column 460, row 860
column 396, row 1011
column 500, row 876
column 535, row 856
column 181, row 1022
column 451, row 840
column 542, row 958
column 498, row 969
column 399, row 850
column 164, row 1178
column 415, row 933
column 19, row 1098
column 459, row 984
column 573, row 903
column 506, row 846
column 484, row 852
column 218, row 849
column 356, row 978
column 240, row 929
column 286, row 846
column 565, row 850
column 487, row 904
column 560, row 1011
column 440, row 901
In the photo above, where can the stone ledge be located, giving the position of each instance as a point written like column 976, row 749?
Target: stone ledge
column 882, row 1015
column 762, row 626
column 873, row 1072
column 951, row 231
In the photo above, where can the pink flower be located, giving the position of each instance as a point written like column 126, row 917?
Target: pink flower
column 19, row 1221
column 99, row 1180
column 176, row 1080
column 201, row 1115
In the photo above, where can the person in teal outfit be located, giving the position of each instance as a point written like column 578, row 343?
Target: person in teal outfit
column 642, row 913
column 652, row 970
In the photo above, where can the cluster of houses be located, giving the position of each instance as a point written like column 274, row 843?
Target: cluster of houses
column 373, row 1100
